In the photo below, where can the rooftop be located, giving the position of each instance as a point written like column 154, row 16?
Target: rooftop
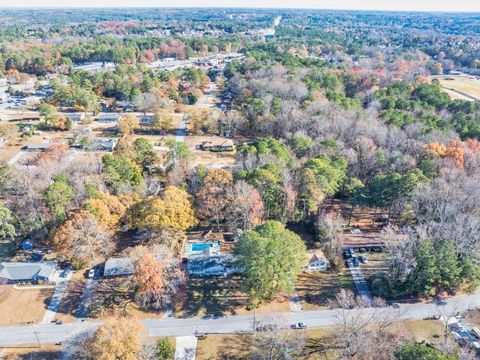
column 119, row 267
column 25, row 271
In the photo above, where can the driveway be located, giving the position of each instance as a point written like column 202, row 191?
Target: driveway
column 182, row 129
column 62, row 283
column 359, row 280
column 16, row 157
column 186, row 347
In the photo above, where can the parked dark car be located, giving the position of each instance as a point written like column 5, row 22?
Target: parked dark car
column 349, row 253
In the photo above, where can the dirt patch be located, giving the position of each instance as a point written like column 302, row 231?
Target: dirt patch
column 20, row 306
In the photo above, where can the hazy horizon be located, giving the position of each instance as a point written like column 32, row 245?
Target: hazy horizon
column 363, row 5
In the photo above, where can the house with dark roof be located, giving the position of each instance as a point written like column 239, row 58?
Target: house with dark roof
column 119, row 267
column 217, row 265
column 217, row 145
column 33, row 272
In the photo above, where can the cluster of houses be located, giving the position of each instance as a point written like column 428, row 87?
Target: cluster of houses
column 206, row 258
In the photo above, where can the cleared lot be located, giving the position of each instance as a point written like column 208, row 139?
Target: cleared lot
column 317, row 288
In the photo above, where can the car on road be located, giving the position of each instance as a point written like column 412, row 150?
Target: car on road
column 363, row 259
column 299, row 325
column 439, row 301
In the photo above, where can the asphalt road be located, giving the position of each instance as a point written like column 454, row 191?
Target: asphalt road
column 51, row 333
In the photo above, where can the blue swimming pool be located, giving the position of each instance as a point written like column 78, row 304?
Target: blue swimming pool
column 201, row 247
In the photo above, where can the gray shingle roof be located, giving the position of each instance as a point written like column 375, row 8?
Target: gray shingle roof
column 26, row 271
column 119, row 267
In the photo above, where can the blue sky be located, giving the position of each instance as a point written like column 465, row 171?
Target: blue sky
column 416, row 5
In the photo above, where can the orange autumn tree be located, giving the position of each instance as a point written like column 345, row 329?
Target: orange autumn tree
column 82, row 238
column 454, row 151
column 149, row 280
column 117, row 339
column 110, row 209
column 127, row 124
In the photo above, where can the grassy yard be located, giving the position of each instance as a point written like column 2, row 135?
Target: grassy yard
column 223, row 297
column 316, row 288
column 462, row 84
column 19, row 306
column 45, row 352
column 376, row 263
column 318, row 345
column 430, row 331
column 228, row 346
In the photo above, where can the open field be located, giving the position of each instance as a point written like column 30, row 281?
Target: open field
column 20, row 306
column 460, row 87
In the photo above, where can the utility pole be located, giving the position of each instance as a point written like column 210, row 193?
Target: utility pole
column 36, row 336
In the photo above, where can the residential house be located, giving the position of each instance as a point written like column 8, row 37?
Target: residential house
column 108, row 117
column 217, row 145
column 78, row 116
column 119, row 267
column 39, row 147
column 217, row 265
column 317, row 261
column 32, row 272
column 104, row 144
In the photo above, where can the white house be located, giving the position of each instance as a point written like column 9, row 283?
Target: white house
column 316, row 261
column 78, row 116
column 104, row 145
column 108, row 117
